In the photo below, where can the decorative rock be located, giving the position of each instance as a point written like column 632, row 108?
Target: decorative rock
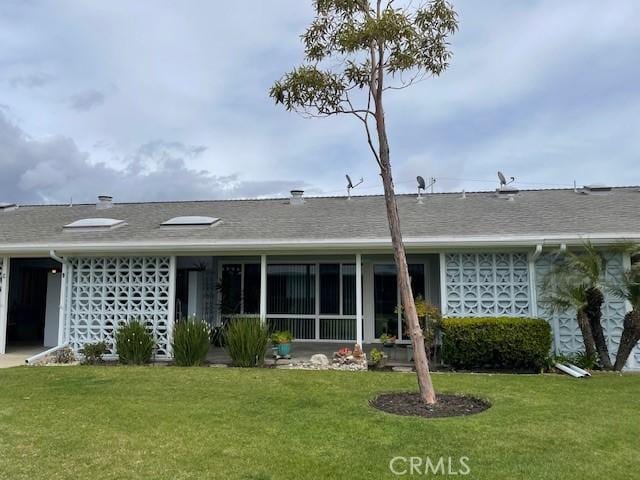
column 319, row 359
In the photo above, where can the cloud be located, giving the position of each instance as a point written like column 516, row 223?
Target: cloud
column 544, row 90
column 33, row 80
column 53, row 169
column 85, row 101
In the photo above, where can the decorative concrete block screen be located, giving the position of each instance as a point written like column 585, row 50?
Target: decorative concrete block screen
column 487, row 284
column 106, row 292
column 567, row 333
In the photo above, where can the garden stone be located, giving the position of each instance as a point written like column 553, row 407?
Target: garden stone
column 319, row 359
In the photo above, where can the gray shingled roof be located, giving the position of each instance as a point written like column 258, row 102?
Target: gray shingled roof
column 532, row 213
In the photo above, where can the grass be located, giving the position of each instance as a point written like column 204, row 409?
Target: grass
column 197, row 423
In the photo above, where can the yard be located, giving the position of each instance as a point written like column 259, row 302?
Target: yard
column 173, row 423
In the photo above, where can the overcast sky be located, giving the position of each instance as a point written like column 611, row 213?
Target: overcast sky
column 152, row 100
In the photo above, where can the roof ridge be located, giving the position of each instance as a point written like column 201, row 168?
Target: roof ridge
column 272, row 199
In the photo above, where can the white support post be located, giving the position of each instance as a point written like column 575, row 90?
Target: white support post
column 62, row 317
column 263, row 288
column 173, row 263
column 443, row 284
column 359, row 338
column 4, row 298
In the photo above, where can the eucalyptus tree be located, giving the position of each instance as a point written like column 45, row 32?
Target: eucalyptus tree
column 628, row 289
column 356, row 53
column 576, row 282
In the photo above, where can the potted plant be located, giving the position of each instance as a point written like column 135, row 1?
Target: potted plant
column 376, row 358
column 282, row 340
column 387, row 340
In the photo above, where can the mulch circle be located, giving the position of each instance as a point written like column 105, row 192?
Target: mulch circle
column 410, row 404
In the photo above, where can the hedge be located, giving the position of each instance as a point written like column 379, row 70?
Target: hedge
column 498, row 342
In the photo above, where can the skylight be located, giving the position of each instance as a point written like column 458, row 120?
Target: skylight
column 94, row 224
column 190, row 221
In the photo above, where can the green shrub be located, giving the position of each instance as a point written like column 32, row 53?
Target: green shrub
column 134, row 343
column 64, row 355
column 501, row 342
column 246, row 340
column 93, row 352
column 191, row 340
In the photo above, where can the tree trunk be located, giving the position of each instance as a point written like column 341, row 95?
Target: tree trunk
column 404, row 283
column 587, row 336
column 595, row 299
column 629, row 339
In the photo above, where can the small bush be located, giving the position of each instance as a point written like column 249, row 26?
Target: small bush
column 376, row 357
column 134, row 343
column 502, row 342
column 93, row 352
column 246, row 340
column 64, row 355
column 191, row 340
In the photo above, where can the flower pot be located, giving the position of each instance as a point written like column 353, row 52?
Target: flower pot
column 409, row 353
column 284, row 349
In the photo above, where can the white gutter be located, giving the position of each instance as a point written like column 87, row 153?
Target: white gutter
column 52, row 254
column 63, row 295
column 537, row 252
column 233, row 245
column 40, row 356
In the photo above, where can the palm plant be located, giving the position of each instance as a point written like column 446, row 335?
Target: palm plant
column 576, row 282
column 629, row 290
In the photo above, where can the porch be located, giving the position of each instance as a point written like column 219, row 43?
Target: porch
column 337, row 300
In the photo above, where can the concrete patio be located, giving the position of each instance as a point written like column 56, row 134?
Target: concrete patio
column 16, row 356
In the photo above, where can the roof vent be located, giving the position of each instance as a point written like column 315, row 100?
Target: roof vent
column 7, row 207
column 296, row 197
column 596, row 189
column 104, row 202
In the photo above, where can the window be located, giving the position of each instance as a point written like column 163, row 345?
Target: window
column 191, row 221
column 348, row 289
column 240, row 289
column 231, row 289
column 291, row 289
column 330, row 288
column 94, row 224
column 388, row 318
column 252, row 288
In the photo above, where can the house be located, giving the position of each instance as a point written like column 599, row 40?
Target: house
column 321, row 267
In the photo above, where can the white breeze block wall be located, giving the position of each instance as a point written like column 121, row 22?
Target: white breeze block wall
column 105, row 292
column 487, row 284
column 566, row 331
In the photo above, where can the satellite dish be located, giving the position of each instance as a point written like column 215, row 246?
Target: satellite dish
column 351, row 185
column 503, row 179
column 421, row 184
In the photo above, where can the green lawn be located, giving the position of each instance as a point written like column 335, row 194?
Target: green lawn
column 172, row 423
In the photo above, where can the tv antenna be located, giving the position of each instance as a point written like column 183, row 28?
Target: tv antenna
column 422, row 186
column 503, row 180
column 351, row 185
